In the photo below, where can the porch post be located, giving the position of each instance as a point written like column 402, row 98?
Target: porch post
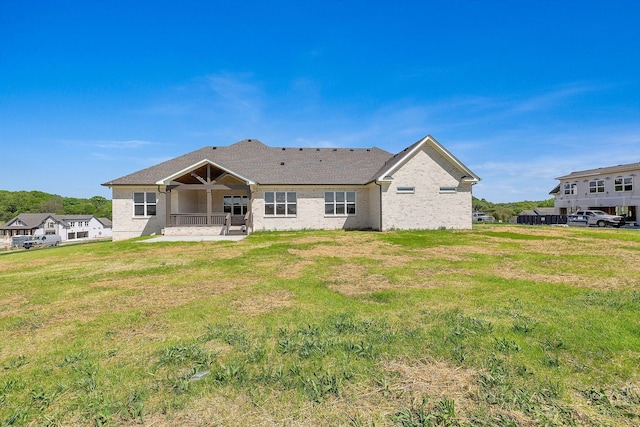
column 167, row 206
column 208, row 206
column 249, row 209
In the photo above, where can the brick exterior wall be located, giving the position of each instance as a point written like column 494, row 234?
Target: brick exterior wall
column 310, row 206
column 428, row 207
column 125, row 225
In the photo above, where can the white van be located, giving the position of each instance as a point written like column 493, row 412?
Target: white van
column 42, row 241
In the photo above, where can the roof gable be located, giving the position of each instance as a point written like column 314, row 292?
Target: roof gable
column 29, row 221
column 189, row 169
column 385, row 173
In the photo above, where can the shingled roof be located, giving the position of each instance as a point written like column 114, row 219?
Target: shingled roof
column 258, row 163
column 261, row 164
column 31, row 221
column 600, row 171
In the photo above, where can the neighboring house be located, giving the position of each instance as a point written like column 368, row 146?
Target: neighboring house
column 611, row 189
column 68, row 227
column 250, row 186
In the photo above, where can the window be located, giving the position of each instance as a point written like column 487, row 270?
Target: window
column 570, row 188
column 448, row 190
column 144, row 204
column 340, row 203
column 235, row 205
column 623, row 184
column 596, row 186
column 280, row 203
column 50, row 224
column 405, row 190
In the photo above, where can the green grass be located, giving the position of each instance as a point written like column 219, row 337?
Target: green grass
column 500, row 325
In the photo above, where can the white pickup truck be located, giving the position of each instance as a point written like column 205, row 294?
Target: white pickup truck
column 595, row 217
column 42, row 241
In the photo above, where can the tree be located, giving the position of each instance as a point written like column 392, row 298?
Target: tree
column 13, row 203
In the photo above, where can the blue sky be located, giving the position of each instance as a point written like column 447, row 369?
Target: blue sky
column 520, row 91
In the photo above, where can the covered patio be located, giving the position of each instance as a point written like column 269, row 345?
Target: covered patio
column 207, row 200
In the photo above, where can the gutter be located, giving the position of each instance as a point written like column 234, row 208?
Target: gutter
column 380, row 204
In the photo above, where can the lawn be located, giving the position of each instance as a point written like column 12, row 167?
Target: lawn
column 499, row 325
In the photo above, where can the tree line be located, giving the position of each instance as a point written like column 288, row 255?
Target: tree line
column 13, row 203
column 504, row 211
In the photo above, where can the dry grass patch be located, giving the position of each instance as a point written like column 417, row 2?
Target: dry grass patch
column 524, row 270
column 434, row 379
column 355, row 246
column 356, row 281
column 150, row 295
column 254, row 305
column 460, row 253
column 604, row 283
column 231, row 409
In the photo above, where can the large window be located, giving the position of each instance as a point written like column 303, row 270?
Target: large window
column 235, row 205
column 570, row 188
column 340, row 203
column 144, row 204
column 280, row 203
column 596, row 186
column 623, row 184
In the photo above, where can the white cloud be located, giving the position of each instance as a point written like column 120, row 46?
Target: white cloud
column 125, row 145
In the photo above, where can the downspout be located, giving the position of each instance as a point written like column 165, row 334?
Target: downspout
column 380, row 203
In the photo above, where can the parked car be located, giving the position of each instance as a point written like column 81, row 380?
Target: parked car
column 595, row 217
column 42, row 241
column 482, row 217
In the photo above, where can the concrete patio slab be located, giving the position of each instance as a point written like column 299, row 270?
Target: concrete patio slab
column 194, row 238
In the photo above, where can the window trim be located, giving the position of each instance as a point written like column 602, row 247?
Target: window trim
column 244, row 207
column 285, row 204
column 405, row 190
column 597, row 187
column 448, row 190
column 620, row 184
column 344, row 204
column 145, row 204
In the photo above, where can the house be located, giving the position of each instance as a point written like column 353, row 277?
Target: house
column 69, row 227
column 250, row 186
column 611, row 189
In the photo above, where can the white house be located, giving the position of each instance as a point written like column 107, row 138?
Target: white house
column 249, row 186
column 612, row 189
column 69, row 227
